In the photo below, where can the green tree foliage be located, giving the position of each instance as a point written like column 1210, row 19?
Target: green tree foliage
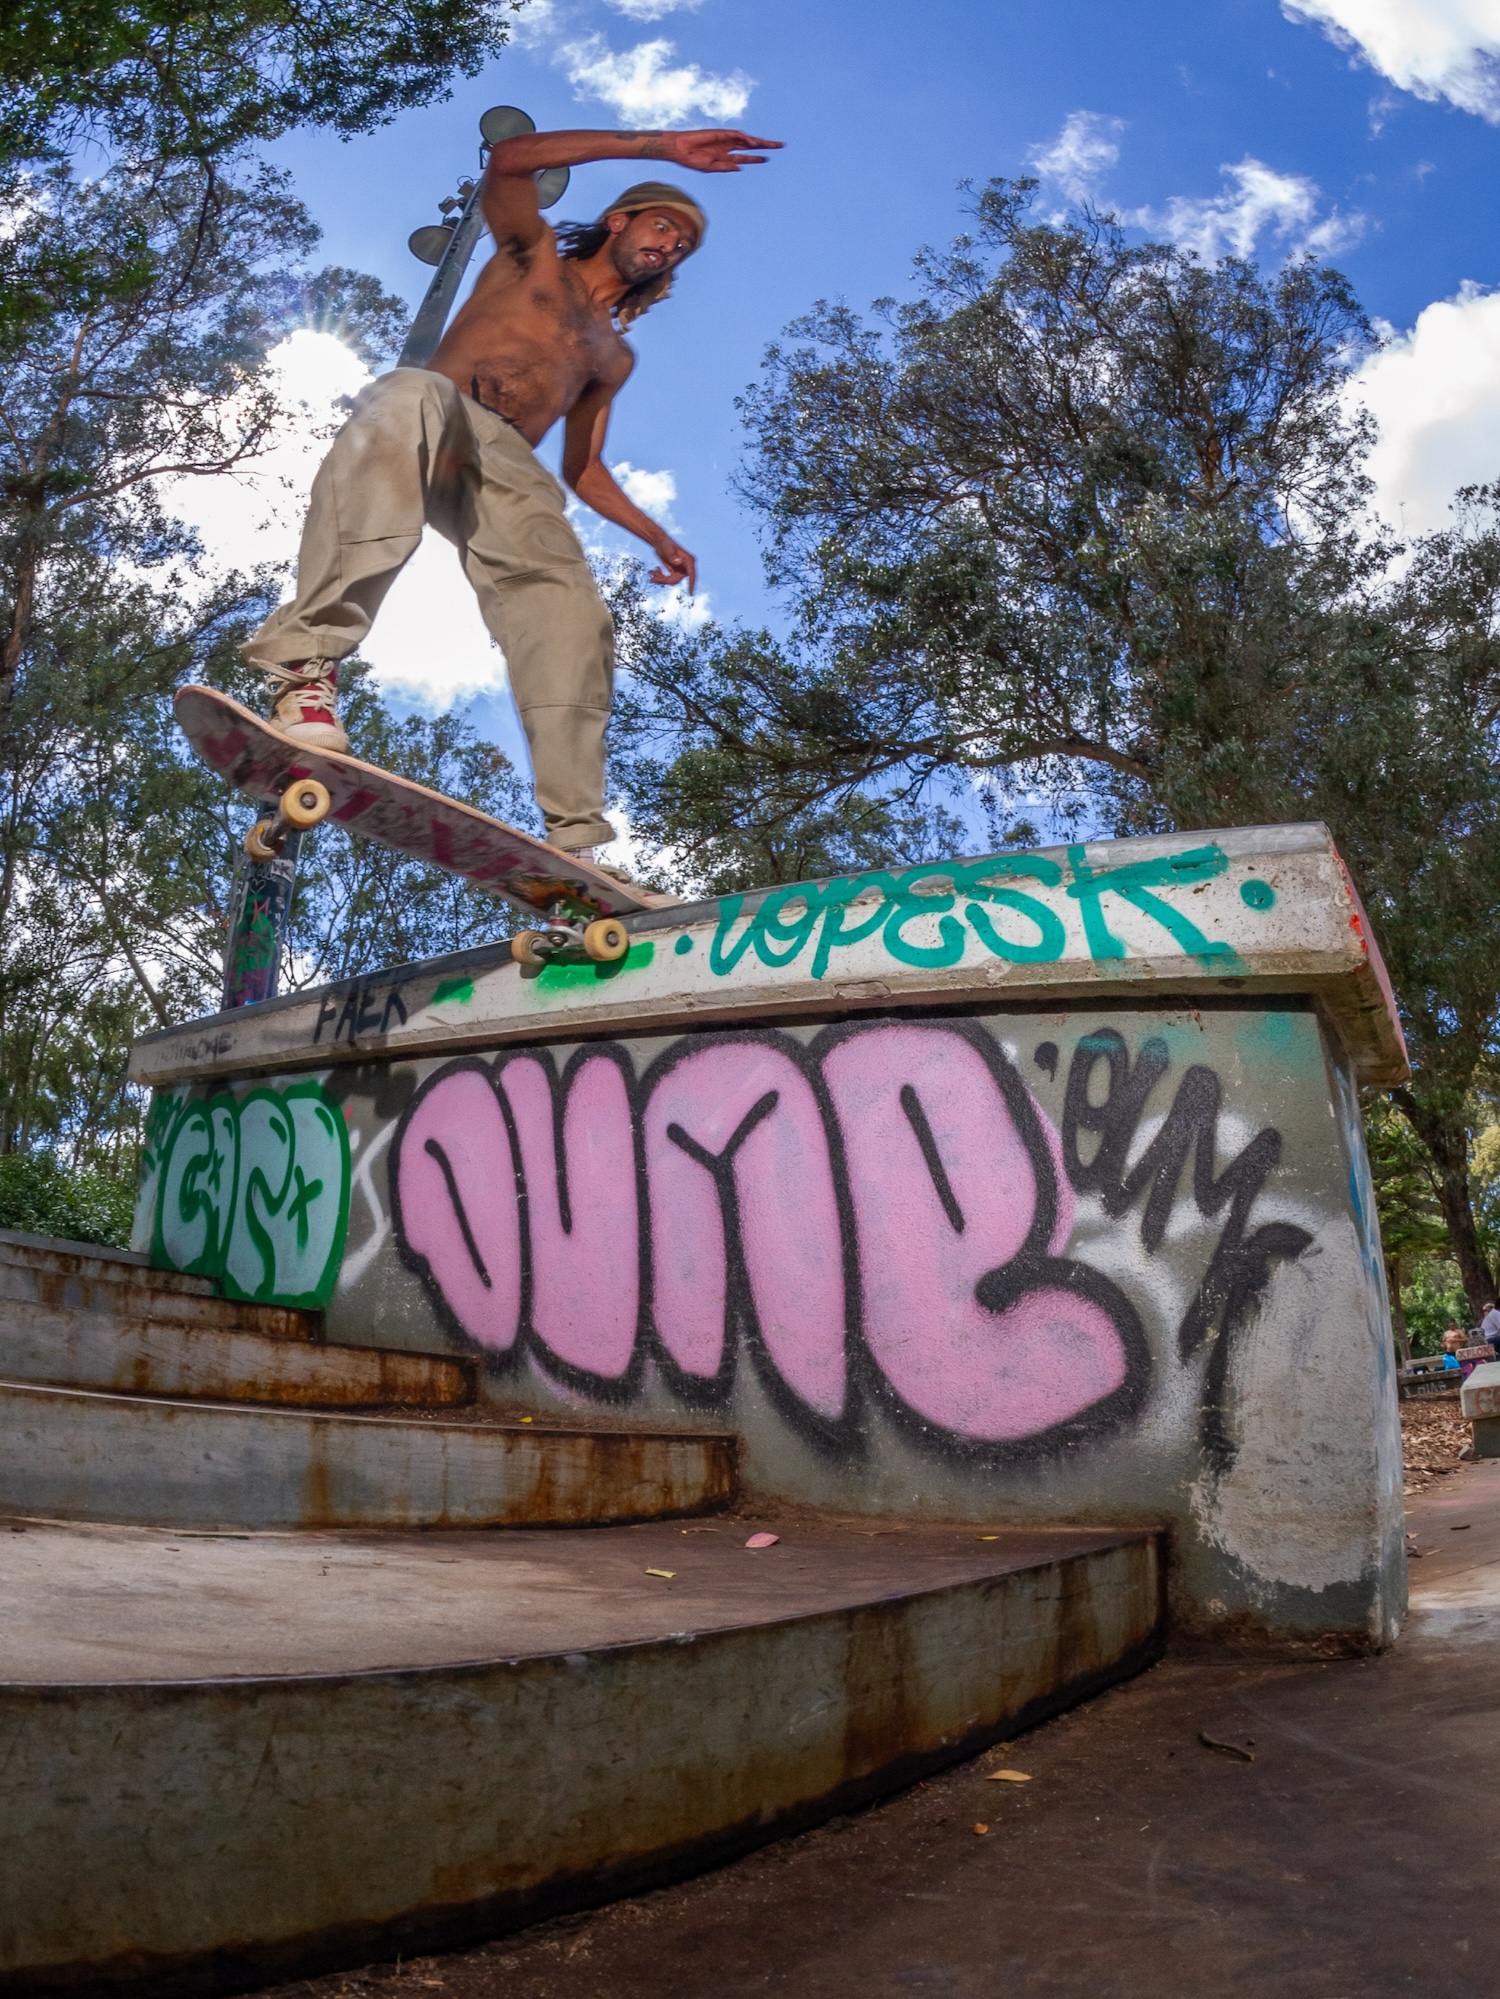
column 1431, row 1301
column 161, row 80
column 1085, row 526
column 1412, row 1230
column 39, row 1196
column 1073, row 520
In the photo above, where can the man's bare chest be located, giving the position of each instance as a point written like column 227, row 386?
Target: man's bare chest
column 574, row 330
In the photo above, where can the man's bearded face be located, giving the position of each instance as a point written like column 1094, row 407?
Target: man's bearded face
column 651, row 243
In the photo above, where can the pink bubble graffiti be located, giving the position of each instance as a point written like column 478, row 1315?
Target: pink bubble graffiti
column 457, row 1208
column 787, row 1207
column 740, row 1167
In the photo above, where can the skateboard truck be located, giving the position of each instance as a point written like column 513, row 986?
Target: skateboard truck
column 302, row 806
column 604, row 940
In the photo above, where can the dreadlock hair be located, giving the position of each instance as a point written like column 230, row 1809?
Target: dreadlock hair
column 582, row 240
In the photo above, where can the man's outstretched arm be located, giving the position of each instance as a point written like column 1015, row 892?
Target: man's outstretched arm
column 510, row 205
column 591, row 479
column 719, row 151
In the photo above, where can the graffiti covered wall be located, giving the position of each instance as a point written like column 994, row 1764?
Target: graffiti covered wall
column 1108, row 1265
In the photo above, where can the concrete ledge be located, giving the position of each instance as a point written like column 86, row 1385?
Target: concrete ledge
column 120, row 1286
column 75, row 1455
column 1266, row 909
column 93, row 1350
column 208, row 1835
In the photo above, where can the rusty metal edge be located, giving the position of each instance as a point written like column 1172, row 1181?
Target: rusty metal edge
column 198, row 1404
column 1358, row 1016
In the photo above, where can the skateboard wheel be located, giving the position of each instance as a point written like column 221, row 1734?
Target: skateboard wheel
column 606, row 939
column 258, row 845
column 526, row 947
column 305, row 804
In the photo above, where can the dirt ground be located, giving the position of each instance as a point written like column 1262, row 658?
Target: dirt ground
column 1433, row 1435
column 1349, row 1852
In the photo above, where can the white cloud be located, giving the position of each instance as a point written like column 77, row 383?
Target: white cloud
column 1081, row 154
column 1434, row 48
column 653, row 492
column 1257, row 199
column 688, row 614
column 652, row 10
column 641, row 87
column 535, row 22
column 255, row 516
column 1435, row 393
column 429, row 639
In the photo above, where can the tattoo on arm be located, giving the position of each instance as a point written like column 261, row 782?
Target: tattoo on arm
column 652, row 147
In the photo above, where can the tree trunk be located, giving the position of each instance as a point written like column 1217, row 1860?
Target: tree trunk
column 1398, row 1310
column 1444, row 1129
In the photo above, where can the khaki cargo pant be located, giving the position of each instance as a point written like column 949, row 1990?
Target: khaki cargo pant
column 415, row 450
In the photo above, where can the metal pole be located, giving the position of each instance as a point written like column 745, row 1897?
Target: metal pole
column 260, row 904
column 432, row 314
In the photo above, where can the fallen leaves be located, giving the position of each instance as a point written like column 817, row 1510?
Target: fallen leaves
column 762, row 1540
column 1008, row 1777
column 665, row 1574
column 1432, row 1434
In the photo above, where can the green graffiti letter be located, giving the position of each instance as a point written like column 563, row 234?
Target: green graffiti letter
column 255, row 1193
column 294, row 1201
column 198, row 1186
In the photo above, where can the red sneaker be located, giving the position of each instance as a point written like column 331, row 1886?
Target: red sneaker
column 306, row 702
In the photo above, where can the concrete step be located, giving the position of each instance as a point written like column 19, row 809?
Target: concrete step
column 73, row 1454
column 119, row 1284
column 279, row 1754
column 81, row 1349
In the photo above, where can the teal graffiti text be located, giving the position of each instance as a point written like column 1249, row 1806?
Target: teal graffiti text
column 972, row 900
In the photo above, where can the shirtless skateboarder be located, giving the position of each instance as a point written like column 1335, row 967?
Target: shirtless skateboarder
column 454, row 445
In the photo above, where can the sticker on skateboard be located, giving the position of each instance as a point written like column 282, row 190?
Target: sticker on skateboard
column 580, row 904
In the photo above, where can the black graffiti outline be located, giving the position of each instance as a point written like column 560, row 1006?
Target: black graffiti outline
column 1240, row 1265
column 1032, row 1268
column 361, row 1012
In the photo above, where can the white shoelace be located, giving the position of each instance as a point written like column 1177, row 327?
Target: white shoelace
column 311, row 680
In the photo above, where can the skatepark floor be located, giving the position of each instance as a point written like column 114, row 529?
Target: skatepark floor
column 1358, row 1855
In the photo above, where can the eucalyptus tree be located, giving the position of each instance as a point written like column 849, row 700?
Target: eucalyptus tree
column 159, row 79
column 1070, row 520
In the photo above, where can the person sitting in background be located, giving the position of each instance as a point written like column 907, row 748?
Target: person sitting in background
column 1453, row 1338
column 1489, row 1328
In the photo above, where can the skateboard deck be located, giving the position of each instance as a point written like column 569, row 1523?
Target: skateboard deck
column 258, row 760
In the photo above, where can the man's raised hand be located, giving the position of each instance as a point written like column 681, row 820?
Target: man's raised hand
column 677, row 566
column 717, row 152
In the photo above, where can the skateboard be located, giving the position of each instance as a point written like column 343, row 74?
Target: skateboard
column 581, row 906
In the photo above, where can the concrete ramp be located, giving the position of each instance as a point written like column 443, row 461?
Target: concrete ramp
column 289, row 1751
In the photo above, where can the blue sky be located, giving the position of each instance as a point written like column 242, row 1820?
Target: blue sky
column 1367, row 128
